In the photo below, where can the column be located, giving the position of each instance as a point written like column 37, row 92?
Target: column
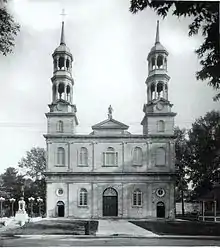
column 163, row 90
column 123, row 156
column 93, row 155
column 68, row 199
column 57, row 59
column 65, row 87
column 203, row 210
column 215, row 209
column 156, row 95
column 69, row 156
column 57, row 93
column 156, row 61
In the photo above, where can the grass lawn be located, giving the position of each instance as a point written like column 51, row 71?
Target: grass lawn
column 53, row 227
column 180, row 227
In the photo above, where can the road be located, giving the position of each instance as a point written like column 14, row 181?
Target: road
column 24, row 242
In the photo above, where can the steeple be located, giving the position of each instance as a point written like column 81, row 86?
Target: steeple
column 158, row 104
column 62, row 38
column 157, row 40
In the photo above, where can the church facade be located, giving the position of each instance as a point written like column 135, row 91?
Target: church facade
column 110, row 173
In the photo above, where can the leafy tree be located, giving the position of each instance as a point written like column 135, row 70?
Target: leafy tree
column 205, row 20
column 8, row 29
column 204, row 159
column 34, row 162
column 182, row 151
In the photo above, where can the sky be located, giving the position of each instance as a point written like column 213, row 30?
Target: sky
column 110, row 47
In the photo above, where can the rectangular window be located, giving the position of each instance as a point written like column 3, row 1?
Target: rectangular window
column 110, row 158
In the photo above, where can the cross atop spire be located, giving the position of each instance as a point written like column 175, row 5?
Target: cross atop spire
column 157, row 40
column 62, row 38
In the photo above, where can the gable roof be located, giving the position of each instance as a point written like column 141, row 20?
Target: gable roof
column 110, row 124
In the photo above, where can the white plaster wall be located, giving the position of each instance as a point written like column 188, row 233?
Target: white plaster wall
column 53, row 198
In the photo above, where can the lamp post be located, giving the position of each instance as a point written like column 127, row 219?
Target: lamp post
column 40, row 201
column 31, row 200
column 2, row 199
column 12, row 201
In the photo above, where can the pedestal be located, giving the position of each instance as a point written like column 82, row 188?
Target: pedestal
column 21, row 216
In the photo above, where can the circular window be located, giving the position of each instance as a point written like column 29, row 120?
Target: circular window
column 160, row 192
column 60, row 192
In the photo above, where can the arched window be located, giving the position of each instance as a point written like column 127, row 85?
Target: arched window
column 137, row 156
column 83, row 156
column 160, row 157
column 159, row 61
column 83, row 197
column 61, row 90
column 160, row 90
column 61, row 63
column 137, row 198
column 60, row 126
column 110, row 157
column 61, row 156
column 160, row 126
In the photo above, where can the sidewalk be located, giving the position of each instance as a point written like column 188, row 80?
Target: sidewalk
column 122, row 228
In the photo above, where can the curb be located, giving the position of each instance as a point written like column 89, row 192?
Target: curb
column 112, row 236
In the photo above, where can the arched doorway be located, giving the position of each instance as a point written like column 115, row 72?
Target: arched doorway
column 160, row 210
column 110, row 202
column 60, row 209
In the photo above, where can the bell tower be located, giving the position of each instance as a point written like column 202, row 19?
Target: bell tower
column 62, row 116
column 158, row 119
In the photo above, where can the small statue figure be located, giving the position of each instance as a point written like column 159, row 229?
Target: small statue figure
column 110, row 109
column 21, row 205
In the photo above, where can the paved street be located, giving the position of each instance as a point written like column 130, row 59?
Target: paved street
column 106, row 242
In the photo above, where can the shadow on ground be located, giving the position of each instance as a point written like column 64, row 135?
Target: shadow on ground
column 54, row 227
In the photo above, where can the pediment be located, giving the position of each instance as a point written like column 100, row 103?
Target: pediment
column 110, row 124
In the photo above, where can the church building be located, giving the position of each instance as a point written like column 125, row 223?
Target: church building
column 110, row 173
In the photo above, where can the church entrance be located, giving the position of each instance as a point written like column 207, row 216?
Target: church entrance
column 110, row 202
column 160, row 210
column 60, row 209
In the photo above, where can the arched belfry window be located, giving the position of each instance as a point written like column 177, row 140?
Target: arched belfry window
column 60, row 156
column 160, row 90
column 137, row 198
column 160, row 62
column 61, row 90
column 153, row 91
column 137, row 156
column 83, row 197
column 160, row 126
column 110, row 157
column 60, row 127
column 160, row 159
column 83, row 157
column 153, row 63
column 61, row 63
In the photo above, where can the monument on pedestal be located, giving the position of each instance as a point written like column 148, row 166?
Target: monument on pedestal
column 21, row 215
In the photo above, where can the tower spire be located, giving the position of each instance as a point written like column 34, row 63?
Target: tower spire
column 157, row 40
column 62, row 38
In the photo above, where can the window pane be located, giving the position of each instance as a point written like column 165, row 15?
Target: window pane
column 134, row 199
column 139, row 199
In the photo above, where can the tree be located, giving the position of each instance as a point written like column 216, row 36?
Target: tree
column 181, row 152
column 206, row 21
column 34, row 162
column 204, row 159
column 8, row 29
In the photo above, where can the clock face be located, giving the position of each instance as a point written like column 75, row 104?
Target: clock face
column 159, row 106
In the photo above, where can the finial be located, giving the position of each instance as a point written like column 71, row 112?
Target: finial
column 157, row 40
column 110, row 109
column 62, row 38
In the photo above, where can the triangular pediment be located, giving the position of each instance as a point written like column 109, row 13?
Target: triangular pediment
column 110, row 124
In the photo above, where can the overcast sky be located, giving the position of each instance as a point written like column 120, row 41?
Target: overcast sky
column 110, row 46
